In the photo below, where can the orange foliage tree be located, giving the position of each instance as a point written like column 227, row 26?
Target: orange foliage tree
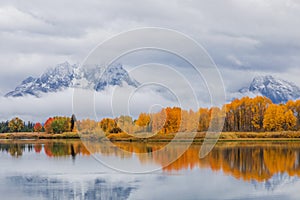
column 38, row 127
column 47, row 125
column 245, row 114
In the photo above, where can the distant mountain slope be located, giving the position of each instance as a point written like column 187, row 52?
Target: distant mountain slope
column 69, row 76
column 278, row 90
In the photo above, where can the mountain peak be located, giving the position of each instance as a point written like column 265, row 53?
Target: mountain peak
column 65, row 75
column 115, row 75
column 278, row 90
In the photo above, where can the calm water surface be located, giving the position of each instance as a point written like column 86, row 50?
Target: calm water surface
column 64, row 169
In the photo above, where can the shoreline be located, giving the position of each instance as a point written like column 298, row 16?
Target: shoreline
column 36, row 136
column 181, row 137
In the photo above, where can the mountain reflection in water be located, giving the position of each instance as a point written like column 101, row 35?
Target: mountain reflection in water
column 58, row 188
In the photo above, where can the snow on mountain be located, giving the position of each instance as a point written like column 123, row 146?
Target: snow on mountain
column 97, row 78
column 278, row 90
column 66, row 75
column 115, row 75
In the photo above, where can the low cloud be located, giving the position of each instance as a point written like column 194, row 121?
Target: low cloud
column 112, row 102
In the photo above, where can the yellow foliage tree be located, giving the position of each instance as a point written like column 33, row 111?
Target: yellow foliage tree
column 16, row 124
column 279, row 118
column 290, row 121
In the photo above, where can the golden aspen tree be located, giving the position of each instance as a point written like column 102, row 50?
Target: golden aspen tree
column 290, row 120
column 279, row 118
column 204, row 119
column 259, row 107
column 270, row 118
column 158, row 122
column 294, row 106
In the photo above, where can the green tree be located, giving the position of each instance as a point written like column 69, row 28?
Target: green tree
column 57, row 126
column 61, row 124
column 4, row 127
column 73, row 121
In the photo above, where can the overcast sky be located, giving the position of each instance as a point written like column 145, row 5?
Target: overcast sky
column 244, row 38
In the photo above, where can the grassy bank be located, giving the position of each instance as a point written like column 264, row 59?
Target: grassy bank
column 199, row 137
column 30, row 135
column 196, row 137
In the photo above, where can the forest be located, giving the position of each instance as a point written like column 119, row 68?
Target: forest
column 247, row 114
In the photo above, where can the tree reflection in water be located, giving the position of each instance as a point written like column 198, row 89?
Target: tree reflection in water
column 247, row 161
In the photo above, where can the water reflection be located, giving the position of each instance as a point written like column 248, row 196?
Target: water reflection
column 50, row 148
column 44, row 187
column 246, row 161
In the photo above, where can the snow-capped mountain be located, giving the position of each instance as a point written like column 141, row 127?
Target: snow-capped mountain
column 278, row 90
column 66, row 75
column 115, row 75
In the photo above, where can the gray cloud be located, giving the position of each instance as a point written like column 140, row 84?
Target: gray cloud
column 246, row 38
column 61, row 104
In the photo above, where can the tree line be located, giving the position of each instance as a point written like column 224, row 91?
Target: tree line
column 241, row 115
column 56, row 124
column 16, row 125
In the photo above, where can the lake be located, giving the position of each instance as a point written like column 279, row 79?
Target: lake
column 70, row 169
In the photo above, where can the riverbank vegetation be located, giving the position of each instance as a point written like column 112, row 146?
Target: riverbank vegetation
column 242, row 118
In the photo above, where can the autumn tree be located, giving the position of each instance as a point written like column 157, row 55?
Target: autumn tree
column 193, row 121
column 38, row 127
column 16, row 124
column 158, row 121
column 143, row 122
column 125, row 123
column 290, row 121
column 246, row 114
column 279, row 118
column 294, row 106
column 47, row 125
column 61, row 124
column 109, row 126
column 204, row 119
column 217, row 116
column 173, row 120
column 88, row 126
column 258, row 108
